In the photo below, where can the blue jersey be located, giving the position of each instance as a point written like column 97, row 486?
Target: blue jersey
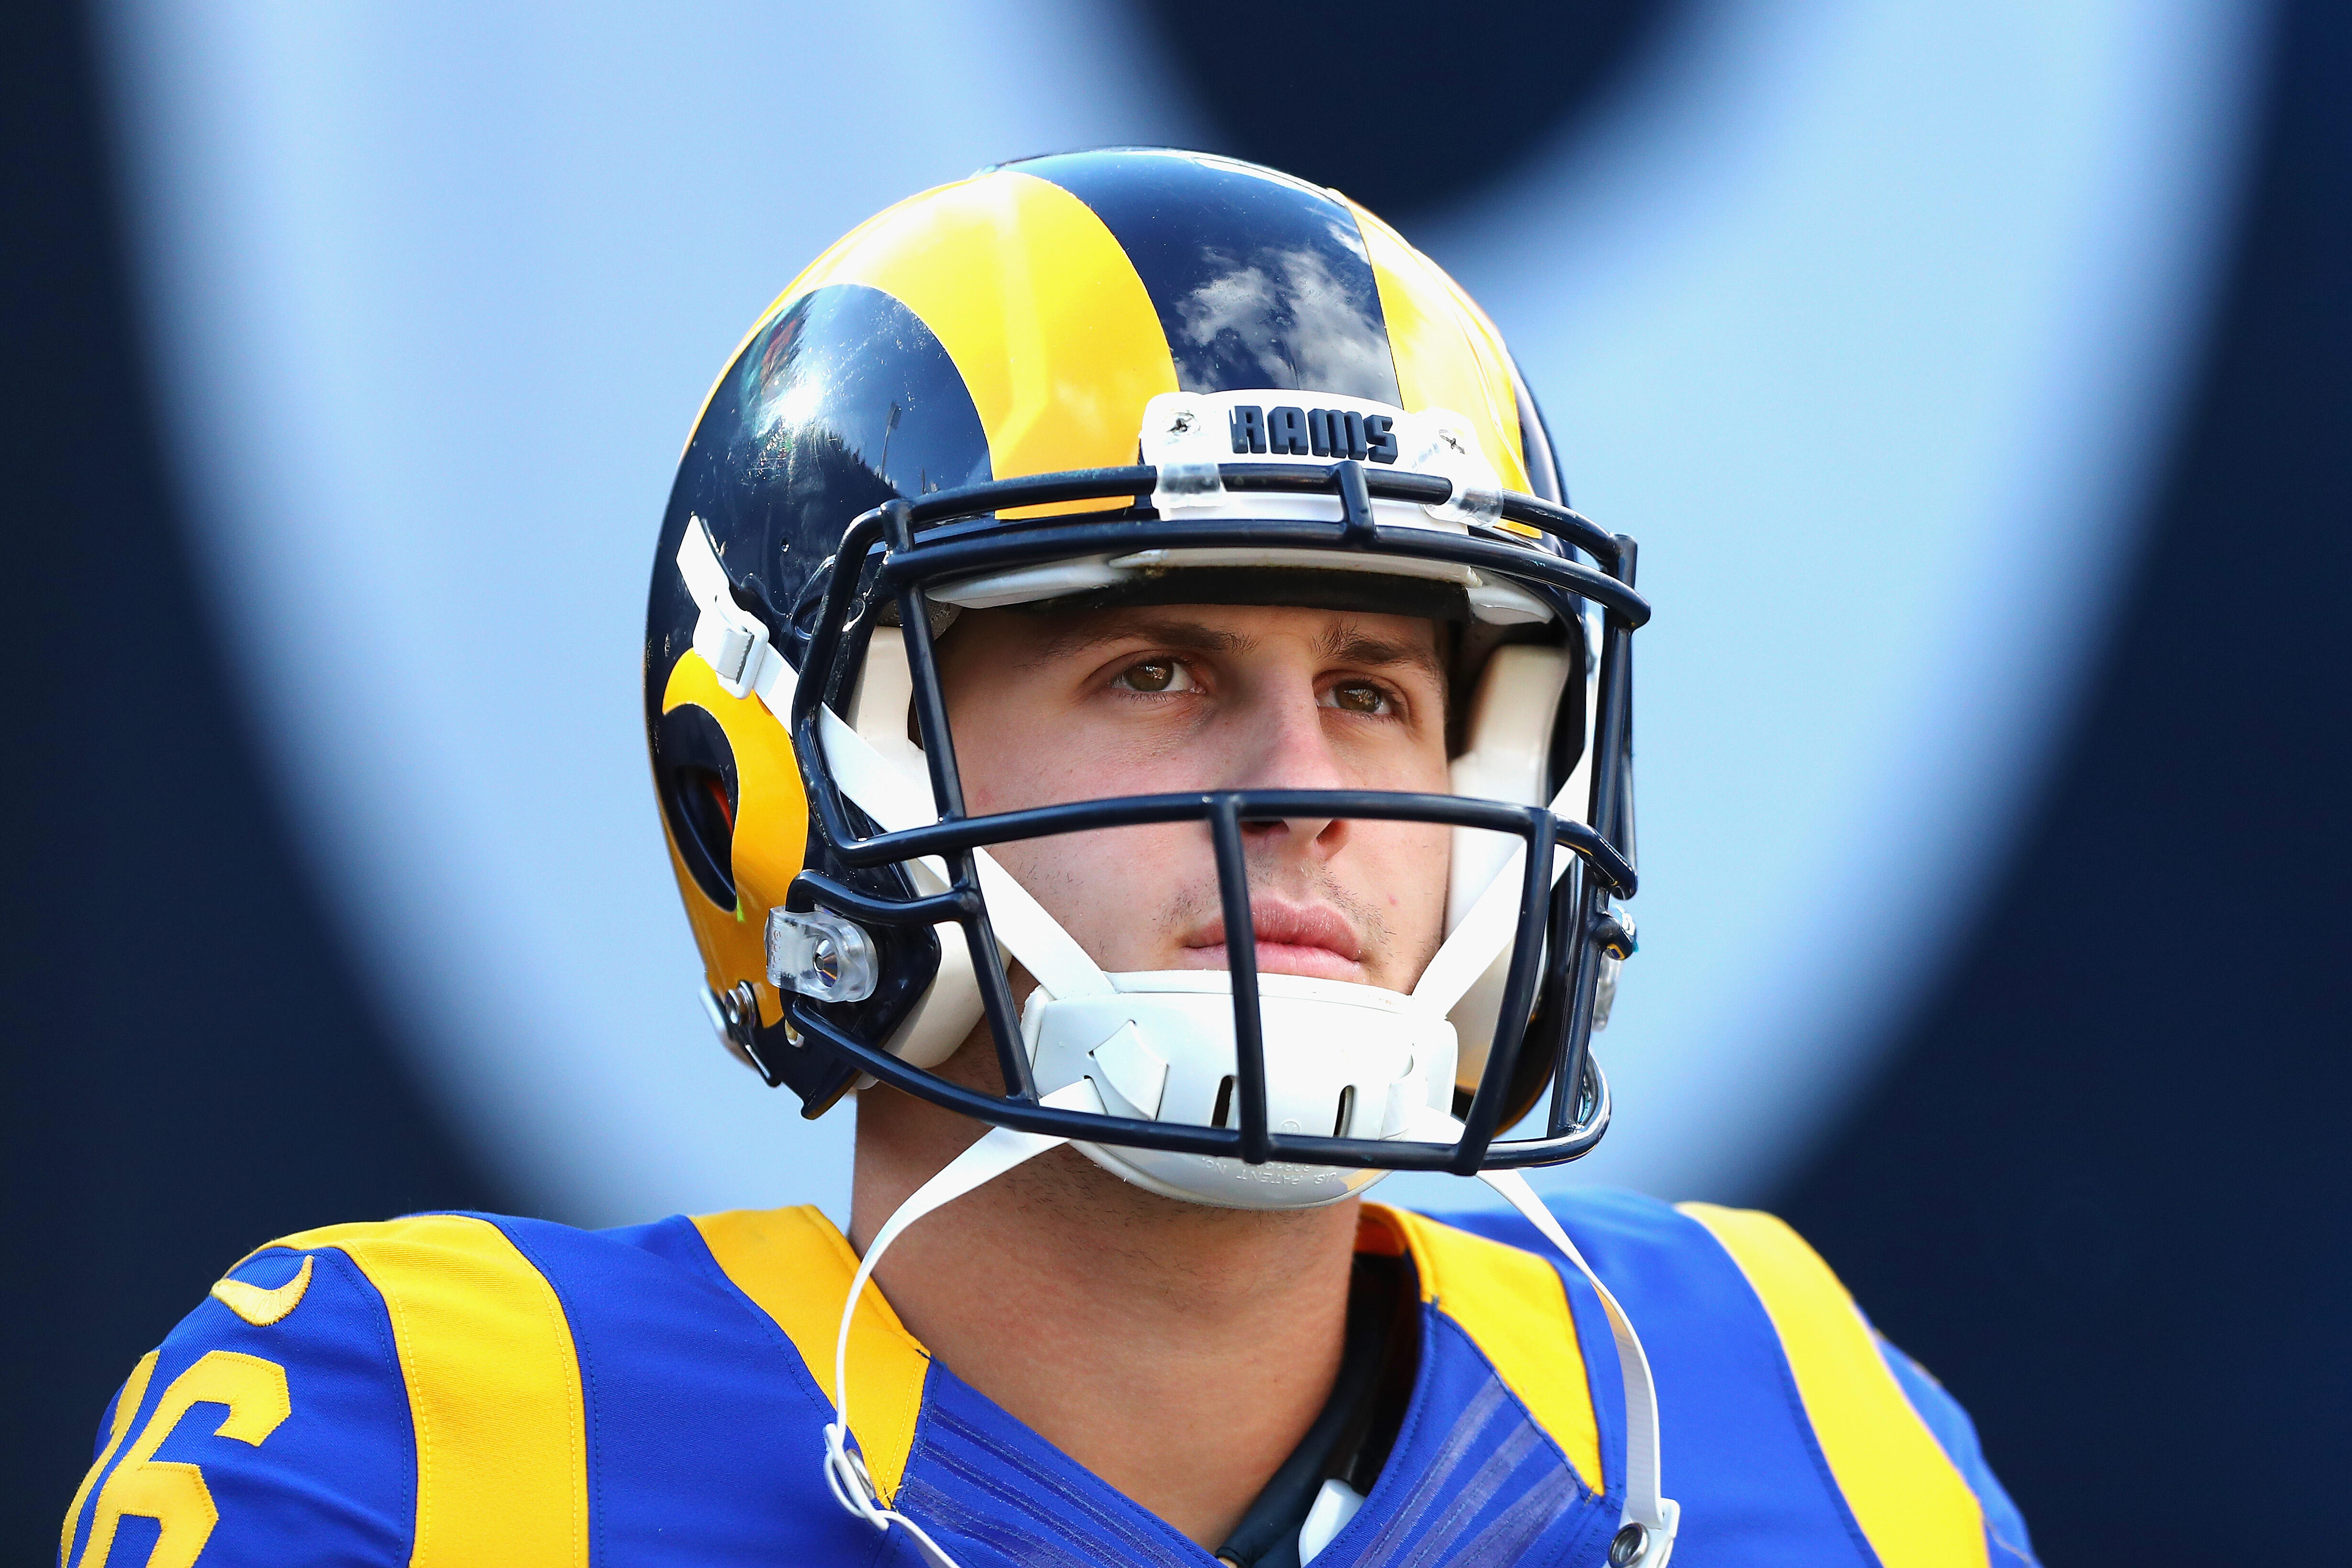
column 461, row 1389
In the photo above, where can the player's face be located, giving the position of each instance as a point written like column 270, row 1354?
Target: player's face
column 1051, row 708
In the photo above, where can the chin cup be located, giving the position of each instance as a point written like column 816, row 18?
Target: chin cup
column 1342, row 1060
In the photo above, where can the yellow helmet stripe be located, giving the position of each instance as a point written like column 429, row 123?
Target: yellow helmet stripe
column 794, row 291
column 1040, row 311
column 1448, row 354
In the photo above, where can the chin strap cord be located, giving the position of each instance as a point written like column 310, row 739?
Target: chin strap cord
column 1645, row 1531
column 1003, row 1147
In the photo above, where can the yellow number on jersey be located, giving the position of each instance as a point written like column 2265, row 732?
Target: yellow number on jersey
column 171, row 1492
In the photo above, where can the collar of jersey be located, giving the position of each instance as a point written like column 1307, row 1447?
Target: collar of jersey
column 795, row 1266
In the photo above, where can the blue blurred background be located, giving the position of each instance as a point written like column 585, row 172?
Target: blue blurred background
column 1976, row 377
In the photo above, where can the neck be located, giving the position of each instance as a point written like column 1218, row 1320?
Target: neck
column 1178, row 1351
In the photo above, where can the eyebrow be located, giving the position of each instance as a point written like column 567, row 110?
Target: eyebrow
column 1181, row 635
column 1347, row 643
column 1344, row 642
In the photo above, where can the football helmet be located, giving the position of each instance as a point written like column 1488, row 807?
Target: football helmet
column 1146, row 375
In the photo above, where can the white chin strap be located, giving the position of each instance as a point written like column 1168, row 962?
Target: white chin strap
column 1649, row 1515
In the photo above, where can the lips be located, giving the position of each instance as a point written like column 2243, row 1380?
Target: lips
column 1312, row 940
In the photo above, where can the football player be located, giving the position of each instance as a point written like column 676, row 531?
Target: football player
column 1132, row 710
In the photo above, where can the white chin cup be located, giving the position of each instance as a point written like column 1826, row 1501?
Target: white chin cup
column 1340, row 1059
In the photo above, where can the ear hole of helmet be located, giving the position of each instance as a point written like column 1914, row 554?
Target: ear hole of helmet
column 694, row 770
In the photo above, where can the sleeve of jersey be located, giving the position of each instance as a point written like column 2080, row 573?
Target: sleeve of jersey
column 272, row 1425
column 2004, row 1525
column 382, row 1394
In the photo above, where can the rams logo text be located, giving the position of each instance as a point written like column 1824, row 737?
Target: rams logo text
column 1315, row 432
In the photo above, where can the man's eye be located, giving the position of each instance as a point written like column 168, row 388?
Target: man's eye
column 1358, row 696
column 1155, row 675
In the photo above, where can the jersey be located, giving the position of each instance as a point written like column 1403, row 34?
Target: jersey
column 463, row 1389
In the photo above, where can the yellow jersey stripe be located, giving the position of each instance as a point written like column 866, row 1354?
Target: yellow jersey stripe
column 1514, row 1308
column 796, row 1267
column 1447, row 354
column 1912, row 1504
column 493, row 1390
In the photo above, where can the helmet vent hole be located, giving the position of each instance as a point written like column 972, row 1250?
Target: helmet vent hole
column 1222, row 1116
column 1347, row 1112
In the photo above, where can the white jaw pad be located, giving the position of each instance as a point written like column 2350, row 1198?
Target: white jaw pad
column 1340, row 1059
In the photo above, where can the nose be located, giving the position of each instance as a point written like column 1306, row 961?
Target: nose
column 1288, row 748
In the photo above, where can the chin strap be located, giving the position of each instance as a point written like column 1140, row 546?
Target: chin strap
column 1003, row 1147
column 1488, row 928
column 1645, row 1531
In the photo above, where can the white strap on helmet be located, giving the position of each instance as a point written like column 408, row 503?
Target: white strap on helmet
column 732, row 639
column 1021, row 923
column 1471, row 950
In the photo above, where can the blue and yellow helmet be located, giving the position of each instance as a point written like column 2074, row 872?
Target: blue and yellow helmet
column 1130, row 373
